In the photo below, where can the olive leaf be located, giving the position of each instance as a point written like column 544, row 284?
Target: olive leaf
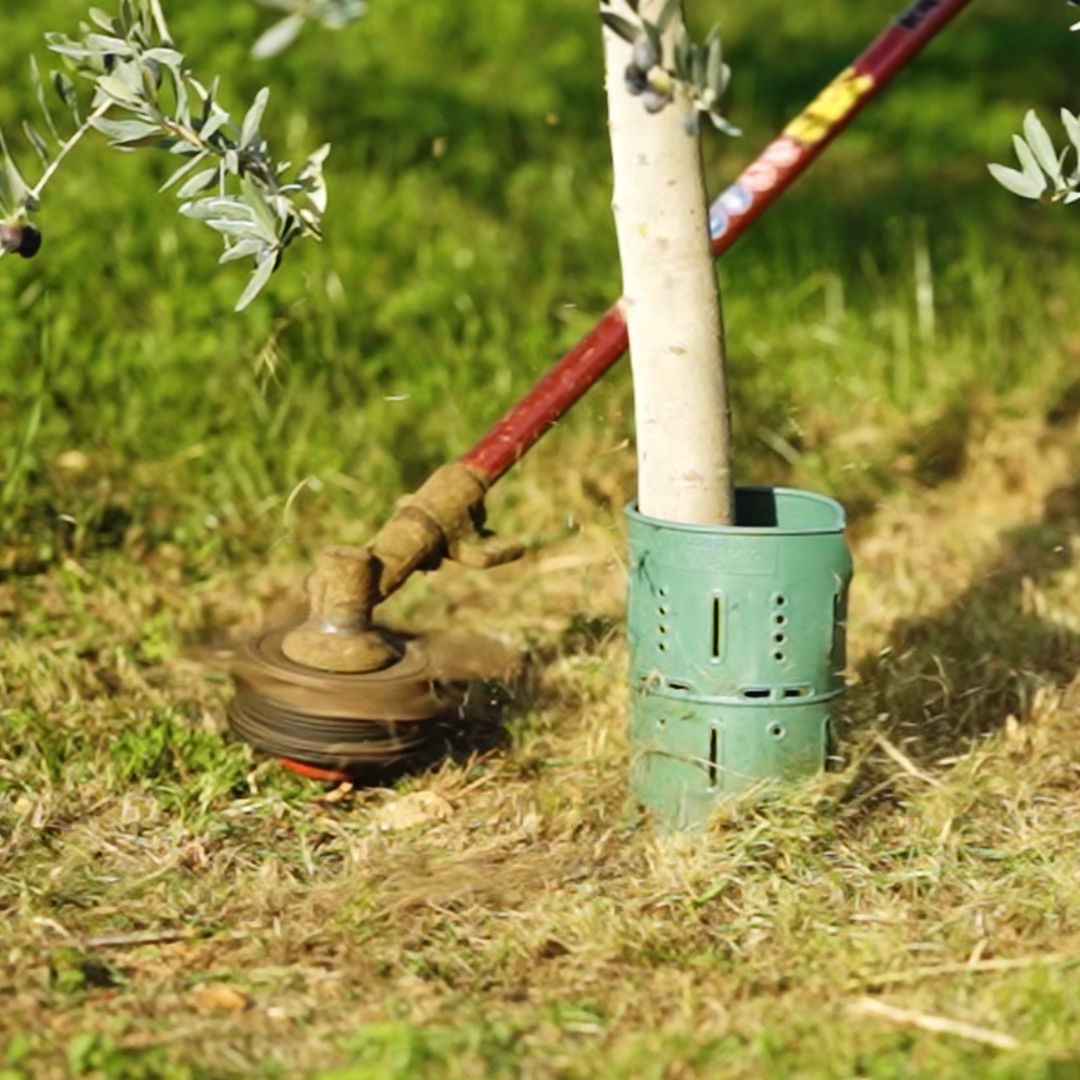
column 623, row 27
column 333, row 14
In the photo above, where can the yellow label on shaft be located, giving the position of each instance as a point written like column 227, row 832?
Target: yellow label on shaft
column 830, row 107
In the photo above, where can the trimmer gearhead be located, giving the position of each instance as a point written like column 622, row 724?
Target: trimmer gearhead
column 338, row 635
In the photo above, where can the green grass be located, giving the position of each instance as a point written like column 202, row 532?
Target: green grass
column 159, row 482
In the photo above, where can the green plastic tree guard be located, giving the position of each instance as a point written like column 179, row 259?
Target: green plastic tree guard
column 737, row 649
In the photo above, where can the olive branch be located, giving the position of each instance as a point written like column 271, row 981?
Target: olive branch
column 144, row 94
column 1044, row 174
column 654, row 71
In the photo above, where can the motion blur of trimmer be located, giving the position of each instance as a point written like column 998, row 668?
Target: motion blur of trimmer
column 337, row 697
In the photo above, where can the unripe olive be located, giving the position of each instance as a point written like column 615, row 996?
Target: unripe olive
column 18, row 238
column 655, row 101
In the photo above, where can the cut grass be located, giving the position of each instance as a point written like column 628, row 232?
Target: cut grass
column 171, row 906
column 540, row 930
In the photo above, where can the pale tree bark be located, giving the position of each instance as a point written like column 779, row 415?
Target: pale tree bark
column 670, row 298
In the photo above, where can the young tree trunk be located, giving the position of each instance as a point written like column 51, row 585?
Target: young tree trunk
column 670, row 298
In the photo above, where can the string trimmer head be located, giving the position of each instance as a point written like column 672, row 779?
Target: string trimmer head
column 336, row 695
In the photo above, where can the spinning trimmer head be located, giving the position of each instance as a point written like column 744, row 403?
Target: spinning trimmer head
column 337, row 697
column 340, row 725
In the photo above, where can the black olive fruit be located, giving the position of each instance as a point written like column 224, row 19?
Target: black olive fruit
column 636, row 80
column 20, row 238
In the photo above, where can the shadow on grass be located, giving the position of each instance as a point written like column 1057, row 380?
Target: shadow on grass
column 947, row 681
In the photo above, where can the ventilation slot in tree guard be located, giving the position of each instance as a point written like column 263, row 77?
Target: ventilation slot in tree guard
column 839, row 648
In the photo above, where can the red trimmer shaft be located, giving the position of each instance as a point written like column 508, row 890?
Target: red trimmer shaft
column 759, row 186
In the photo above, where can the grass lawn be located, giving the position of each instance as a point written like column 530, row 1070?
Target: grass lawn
column 902, row 336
